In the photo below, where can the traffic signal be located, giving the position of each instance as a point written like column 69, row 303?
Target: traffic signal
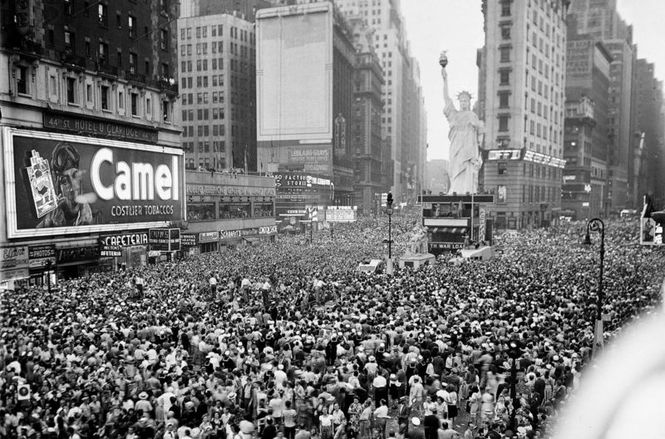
column 389, row 200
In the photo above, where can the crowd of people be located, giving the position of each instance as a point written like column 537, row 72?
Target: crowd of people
column 289, row 340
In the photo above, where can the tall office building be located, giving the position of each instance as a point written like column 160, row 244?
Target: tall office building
column 648, row 122
column 403, row 112
column 305, row 80
column 372, row 153
column 600, row 20
column 523, row 63
column 91, row 153
column 586, row 134
column 217, row 70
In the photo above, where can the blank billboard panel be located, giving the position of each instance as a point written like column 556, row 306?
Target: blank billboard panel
column 294, row 73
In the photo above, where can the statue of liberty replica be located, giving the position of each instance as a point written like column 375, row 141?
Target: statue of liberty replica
column 466, row 135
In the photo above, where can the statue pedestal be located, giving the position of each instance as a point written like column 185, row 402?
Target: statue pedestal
column 416, row 260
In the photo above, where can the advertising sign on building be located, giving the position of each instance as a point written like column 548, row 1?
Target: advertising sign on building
column 316, row 159
column 100, row 185
column 165, row 240
column 125, row 239
column 14, row 262
column 188, row 240
column 99, row 127
column 482, row 230
column 341, row 214
column 76, row 254
column 110, row 251
column 40, row 255
column 205, row 237
column 230, row 234
column 267, row 230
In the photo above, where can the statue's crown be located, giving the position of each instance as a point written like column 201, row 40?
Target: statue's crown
column 464, row 94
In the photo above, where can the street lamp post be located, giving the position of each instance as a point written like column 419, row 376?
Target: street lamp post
column 514, row 352
column 597, row 225
column 48, row 275
column 389, row 211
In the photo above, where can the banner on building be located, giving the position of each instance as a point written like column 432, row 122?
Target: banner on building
column 60, row 184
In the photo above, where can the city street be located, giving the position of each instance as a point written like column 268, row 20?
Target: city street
column 296, row 323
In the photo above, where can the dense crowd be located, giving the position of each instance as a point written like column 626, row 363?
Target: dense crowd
column 287, row 339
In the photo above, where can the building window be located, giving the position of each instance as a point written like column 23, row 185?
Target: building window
column 503, row 99
column 134, row 98
column 121, row 100
column 166, row 111
column 69, row 40
column 71, row 90
column 103, row 53
column 68, row 7
column 50, row 38
column 22, row 80
column 105, row 93
column 131, row 25
column 505, row 54
column 502, row 168
column 504, row 77
column 133, row 62
column 118, row 20
column 165, row 70
column 88, row 93
column 505, row 8
column 148, row 106
column 102, row 14
column 164, row 39
column 505, row 32
column 503, row 122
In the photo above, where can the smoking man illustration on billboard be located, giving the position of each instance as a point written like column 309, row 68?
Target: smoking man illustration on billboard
column 64, row 178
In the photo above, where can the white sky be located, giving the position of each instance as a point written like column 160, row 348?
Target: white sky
column 457, row 26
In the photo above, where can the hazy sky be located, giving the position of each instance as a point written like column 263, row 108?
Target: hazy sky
column 457, row 26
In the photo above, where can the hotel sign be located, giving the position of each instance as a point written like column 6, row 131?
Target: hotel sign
column 100, row 128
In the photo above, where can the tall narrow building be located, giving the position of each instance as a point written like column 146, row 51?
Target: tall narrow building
column 305, row 79
column 648, row 122
column 587, row 142
column 601, row 20
column 523, row 63
column 217, row 70
column 403, row 109
column 372, row 153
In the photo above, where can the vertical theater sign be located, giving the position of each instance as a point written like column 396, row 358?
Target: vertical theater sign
column 60, row 184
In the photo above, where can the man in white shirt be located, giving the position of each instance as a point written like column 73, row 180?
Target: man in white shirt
column 213, row 285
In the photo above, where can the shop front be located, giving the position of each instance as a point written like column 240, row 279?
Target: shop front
column 42, row 264
column 189, row 245
column 124, row 250
column 76, row 259
column 208, row 242
column 14, row 266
